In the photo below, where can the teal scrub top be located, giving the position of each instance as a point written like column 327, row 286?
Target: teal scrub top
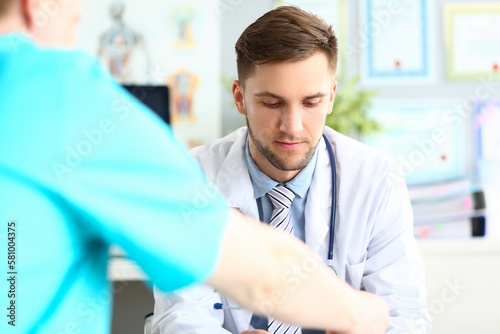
column 83, row 165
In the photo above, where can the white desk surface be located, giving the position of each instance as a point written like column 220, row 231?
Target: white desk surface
column 457, row 247
column 123, row 269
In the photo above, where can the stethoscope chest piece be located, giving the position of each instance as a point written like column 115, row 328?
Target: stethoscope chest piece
column 332, row 267
column 334, row 270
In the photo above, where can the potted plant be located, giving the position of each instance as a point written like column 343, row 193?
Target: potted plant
column 350, row 111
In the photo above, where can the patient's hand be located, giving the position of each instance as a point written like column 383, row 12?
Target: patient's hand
column 375, row 319
column 255, row 331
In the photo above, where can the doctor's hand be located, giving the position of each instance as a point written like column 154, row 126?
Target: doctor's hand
column 374, row 317
column 255, row 331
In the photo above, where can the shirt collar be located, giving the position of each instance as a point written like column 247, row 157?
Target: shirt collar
column 262, row 183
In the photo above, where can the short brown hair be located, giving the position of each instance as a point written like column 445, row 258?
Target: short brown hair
column 286, row 33
column 5, row 6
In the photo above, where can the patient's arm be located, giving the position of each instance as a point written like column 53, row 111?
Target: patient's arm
column 256, row 269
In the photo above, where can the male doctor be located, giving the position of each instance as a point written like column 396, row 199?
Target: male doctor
column 286, row 68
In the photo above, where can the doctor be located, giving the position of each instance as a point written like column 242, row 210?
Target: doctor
column 286, row 68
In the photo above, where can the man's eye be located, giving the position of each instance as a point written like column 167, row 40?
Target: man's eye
column 271, row 105
column 311, row 103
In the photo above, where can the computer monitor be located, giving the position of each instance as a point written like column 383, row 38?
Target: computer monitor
column 155, row 97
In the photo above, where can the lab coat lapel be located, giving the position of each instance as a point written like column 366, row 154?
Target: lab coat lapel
column 317, row 210
column 233, row 180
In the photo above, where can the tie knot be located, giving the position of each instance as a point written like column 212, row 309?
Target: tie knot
column 281, row 196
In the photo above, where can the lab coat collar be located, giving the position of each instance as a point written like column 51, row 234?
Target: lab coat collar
column 233, row 179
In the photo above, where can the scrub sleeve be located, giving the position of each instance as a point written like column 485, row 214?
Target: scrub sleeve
column 138, row 187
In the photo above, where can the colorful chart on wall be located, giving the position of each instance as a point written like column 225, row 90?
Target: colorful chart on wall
column 472, row 33
column 333, row 12
column 396, row 42
column 424, row 137
column 487, row 125
column 174, row 43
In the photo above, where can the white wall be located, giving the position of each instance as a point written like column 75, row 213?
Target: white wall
column 240, row 13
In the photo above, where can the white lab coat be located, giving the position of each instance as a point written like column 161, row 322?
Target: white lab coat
column 374, row 245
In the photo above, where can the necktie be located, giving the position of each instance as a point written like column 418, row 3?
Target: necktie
column 282, row 198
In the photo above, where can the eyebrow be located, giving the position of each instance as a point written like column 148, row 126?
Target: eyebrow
column 269, row 94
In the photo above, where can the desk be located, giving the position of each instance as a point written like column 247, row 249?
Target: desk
column 463, row 289
column 123, row 269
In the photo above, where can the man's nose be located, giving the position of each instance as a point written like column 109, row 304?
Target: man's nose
column 291, row 120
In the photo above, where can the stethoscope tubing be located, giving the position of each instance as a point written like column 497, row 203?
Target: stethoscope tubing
column 333, row 209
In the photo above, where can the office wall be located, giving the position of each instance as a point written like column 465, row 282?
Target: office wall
column 240, row 13
column 235, row 18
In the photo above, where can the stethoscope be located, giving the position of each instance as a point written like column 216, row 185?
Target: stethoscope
column 333, row 209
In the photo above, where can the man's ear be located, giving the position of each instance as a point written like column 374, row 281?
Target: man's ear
column 333, row 92
column 238, row 97
column 29, row 10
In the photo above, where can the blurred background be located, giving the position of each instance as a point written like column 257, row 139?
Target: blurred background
column 418, row 79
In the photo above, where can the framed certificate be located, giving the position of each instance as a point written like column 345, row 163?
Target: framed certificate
column 472, row 33
column 423, row 136
column 486, row 123
column 396, row 41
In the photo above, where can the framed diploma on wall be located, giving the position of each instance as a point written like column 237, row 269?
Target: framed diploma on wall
column 398, row 47
column 424, row 136
column 486, row 123
column 472, row 34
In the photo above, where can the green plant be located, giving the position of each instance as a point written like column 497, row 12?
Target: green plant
column 350, row 111
column 227, row 82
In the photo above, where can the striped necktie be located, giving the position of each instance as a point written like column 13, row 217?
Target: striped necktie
column 282, row 198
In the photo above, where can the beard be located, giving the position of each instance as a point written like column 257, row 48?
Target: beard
column 278, row 162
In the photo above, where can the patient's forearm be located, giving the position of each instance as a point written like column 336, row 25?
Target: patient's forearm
column 271, row 273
